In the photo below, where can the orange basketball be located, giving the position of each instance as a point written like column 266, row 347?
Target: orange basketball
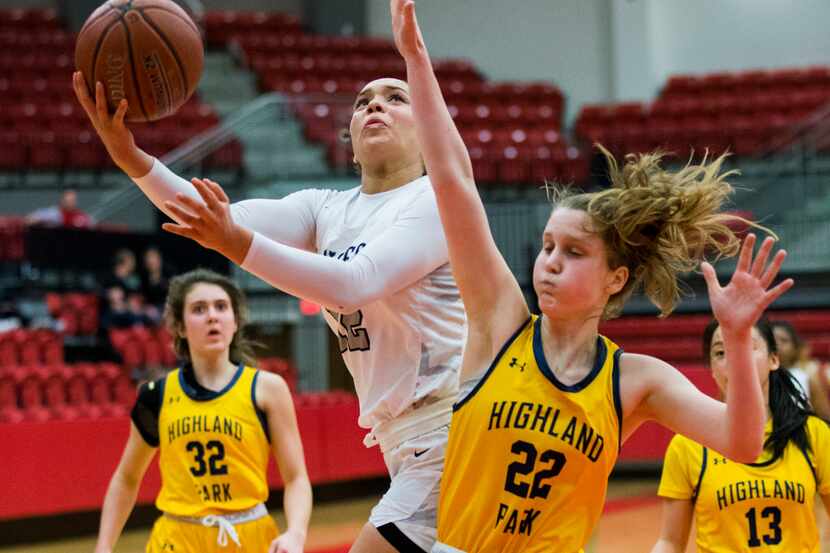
column 147, row 51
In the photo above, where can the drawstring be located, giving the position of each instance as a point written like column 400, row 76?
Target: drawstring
column 225, row 529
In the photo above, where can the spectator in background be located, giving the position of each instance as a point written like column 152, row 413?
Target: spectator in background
column 795, row 357
column 124, row 272
column 66, row 214
column 122, row 305
column 154, row 282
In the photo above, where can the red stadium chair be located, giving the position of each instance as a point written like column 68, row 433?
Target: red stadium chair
column 11, row 414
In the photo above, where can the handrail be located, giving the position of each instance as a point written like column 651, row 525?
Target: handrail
column 191, row 151
column 197, row 148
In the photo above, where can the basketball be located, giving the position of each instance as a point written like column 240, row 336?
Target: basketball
column 147, row 51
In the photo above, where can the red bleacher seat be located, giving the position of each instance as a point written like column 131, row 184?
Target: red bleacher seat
column 124, row 391
column 31, row 389
column 11, row 414
column 8, row 392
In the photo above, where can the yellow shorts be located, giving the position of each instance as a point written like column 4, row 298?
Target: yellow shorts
column 173, row 536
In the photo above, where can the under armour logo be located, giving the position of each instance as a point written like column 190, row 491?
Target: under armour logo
column 514, row 362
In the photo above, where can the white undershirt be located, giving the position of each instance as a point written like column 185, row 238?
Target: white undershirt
column 384, row 267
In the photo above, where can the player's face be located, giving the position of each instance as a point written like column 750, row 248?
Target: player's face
column 382, row 125
column 571, row 273
column 762, row 359
column 209, row 321
column 786, row 346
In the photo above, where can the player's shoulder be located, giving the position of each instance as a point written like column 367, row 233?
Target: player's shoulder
column 420, row 196
column 686, row 447
column 270, row 388
column 818, row 429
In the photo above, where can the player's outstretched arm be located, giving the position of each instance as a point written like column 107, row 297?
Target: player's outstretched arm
column 287, row 220
column 123, row 490
column 373, row 271
column 736, row 429
column 487, row 286
column 274, row 398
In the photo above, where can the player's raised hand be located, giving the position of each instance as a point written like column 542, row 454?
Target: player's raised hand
column 740, row 303
column 209, row 222
column 408, row 38
column 117, row 138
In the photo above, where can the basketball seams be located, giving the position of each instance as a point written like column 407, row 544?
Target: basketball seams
column 186, row 19
column 133, row 68
column 173, row 51
column 92, row 21
column 104, row 34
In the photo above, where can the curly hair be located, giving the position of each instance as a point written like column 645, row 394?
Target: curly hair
column 658, row 223
column 241, row 349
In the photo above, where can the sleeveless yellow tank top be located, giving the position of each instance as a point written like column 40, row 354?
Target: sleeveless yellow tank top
column 528, row 457
column 213, row 452
column 768, row 505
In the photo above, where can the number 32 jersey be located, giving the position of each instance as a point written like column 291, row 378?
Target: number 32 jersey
column 213, row 447
column 528, row 458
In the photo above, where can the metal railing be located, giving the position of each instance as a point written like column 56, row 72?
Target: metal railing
column 266, row 109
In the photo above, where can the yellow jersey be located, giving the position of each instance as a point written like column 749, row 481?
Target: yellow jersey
column 213, row 446
column 528, row 457
column 764, row 506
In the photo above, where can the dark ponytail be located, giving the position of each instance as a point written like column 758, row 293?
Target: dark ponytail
column 787, row 402
column 790, row 412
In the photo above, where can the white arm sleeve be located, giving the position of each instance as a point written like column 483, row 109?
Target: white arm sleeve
column 404, row 253
column 290, row 220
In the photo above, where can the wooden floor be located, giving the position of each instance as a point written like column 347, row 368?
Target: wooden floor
column 629, row 525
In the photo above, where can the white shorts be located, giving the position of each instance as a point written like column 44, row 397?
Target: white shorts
column 411, row 503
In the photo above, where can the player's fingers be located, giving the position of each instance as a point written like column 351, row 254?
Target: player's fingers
column 180, row 214
column 710, row 277
column 776, row 292
column 746, row 253
column 101, row 102
column 173, row 228
column 82, row 93
column 206, row 192
column 120, row 113
column 763, row 255
column 772, row 271
column 218, row 191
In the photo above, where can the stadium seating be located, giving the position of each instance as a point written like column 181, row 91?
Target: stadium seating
column 44, row 127
column 743, row 112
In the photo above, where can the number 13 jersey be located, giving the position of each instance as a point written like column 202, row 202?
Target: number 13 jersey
column 528, row 458
column 764, row 506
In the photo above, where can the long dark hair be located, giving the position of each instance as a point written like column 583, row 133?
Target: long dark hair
column 787, row 402
column 241, row 349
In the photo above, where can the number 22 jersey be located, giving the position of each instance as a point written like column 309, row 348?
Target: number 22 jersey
column 528, row 458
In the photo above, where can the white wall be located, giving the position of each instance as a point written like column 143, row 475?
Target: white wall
column 632, row 64
column 615, row 50
column 713, row 35
column 564, row 41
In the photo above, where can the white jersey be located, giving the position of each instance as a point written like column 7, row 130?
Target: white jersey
column 378, row 264
column 404, row 347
